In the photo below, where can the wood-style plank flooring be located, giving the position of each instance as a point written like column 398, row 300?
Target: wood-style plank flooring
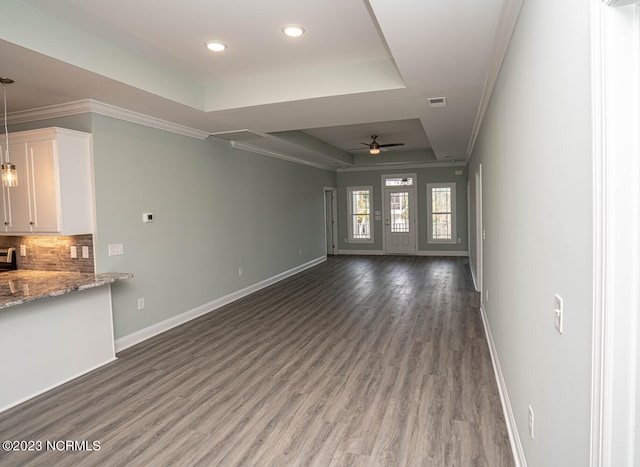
column 359, row 361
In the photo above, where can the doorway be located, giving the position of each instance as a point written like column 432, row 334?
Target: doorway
column 330, row 216
column 399, row 206
column 479, row 229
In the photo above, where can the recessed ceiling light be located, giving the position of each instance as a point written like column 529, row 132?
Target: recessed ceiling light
column 216, row 46
column 293, row 30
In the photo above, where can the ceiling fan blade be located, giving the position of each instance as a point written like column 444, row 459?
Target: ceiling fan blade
column 391, row 144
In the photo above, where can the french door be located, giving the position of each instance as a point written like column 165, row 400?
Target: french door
column 399, row 220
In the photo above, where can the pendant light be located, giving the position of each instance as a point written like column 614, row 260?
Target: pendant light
column 9, row 174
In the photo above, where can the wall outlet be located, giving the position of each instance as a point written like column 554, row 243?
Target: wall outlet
column 116, row 249
column 531, row 421
column 486, row 295
column 141, row 303
column 240, row 272
column 74, row 252
column 300, row 252
column 23, row 250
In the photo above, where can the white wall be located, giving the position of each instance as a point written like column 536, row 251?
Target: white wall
column 536, row 154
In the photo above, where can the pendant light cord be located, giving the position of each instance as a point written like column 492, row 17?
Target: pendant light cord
column 6, row 130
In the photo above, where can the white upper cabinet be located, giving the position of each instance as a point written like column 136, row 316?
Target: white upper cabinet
column 54, row 193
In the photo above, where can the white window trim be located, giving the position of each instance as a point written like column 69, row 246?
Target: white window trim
column 350, row 190
column 454, row 231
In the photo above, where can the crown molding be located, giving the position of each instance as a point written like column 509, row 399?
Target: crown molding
column 615, row 3
column 506, row 25
column 91, row 106
column 396, row 166
column 278, row 155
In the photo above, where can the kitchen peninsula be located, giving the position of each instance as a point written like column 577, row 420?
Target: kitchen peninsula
column 54, row 326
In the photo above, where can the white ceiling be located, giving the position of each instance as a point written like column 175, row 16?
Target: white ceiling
column 362, row 68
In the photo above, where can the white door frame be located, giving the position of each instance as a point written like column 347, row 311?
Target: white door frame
column 479, row 230
column 616, row 231
column 414, row 208
column 334, row 219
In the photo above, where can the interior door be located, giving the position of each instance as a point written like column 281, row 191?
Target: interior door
column 399, row 221
column 479, row 229
column 331, row 235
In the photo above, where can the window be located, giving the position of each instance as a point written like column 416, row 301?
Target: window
column 441, row 205
column 398, row 181
column 360, row 200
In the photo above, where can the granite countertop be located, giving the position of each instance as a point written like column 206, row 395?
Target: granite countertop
column 22, row 286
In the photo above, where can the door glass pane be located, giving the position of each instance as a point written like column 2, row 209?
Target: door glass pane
column 399, row 210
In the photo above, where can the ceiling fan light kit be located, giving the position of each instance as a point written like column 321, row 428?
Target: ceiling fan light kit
column 374, row 146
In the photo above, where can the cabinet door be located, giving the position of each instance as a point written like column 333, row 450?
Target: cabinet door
column 44, row 200
column 17, row 197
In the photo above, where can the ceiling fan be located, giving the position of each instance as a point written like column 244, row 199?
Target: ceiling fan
column 375, row 147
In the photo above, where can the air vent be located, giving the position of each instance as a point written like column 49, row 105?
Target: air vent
column 237, row 135
column 437, row 102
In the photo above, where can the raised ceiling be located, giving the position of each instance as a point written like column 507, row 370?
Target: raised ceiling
column 361, row 68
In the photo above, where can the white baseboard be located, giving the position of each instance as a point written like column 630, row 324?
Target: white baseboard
column 472, row 268
column 59, row 383
column 158, row 328
column 512, row 429
column 418, row 253
column 442, row 253
column 361, row 252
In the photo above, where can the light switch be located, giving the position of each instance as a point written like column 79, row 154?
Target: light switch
column 74, row 251
column 116, row 249
column 558, row 310
column 85, row 251
column 147, row 217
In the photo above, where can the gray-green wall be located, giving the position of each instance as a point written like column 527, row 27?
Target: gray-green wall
column 217, row 209
column 424, row 175
column 535, row 147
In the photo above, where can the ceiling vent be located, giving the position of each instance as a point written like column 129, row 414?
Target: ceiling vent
column 237, row 135
column 437, row 102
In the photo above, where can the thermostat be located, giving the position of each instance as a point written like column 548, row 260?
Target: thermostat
column 147, row 217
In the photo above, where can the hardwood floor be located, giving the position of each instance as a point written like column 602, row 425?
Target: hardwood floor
column 359, row 361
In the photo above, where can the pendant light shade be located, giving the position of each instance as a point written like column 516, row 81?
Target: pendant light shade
column 9, row 174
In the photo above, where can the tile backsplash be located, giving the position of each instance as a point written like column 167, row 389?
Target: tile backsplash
column 49, row 253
